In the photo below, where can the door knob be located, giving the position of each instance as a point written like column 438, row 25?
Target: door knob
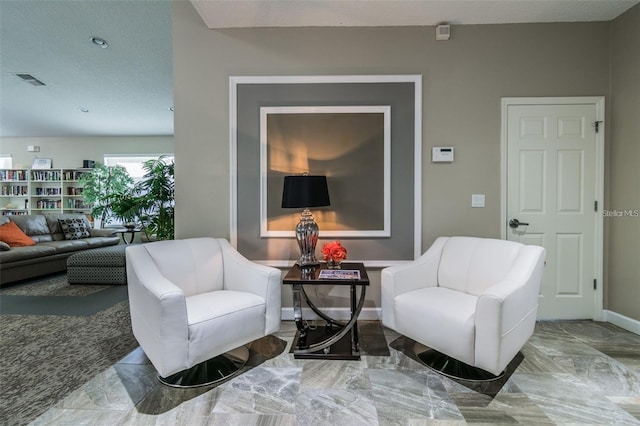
column 514, row 223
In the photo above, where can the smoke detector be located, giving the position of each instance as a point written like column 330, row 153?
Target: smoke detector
column 443, row 32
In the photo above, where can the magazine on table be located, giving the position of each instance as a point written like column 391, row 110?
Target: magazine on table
column 339, row 274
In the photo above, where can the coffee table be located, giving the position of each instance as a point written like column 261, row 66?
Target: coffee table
column 131, row 232
column 336, row 340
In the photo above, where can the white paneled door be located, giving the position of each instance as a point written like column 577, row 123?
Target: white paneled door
column 553, row 196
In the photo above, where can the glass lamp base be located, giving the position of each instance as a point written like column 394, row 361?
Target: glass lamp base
column 307, row 237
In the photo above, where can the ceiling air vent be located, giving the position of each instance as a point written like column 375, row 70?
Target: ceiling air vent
column 28, row 78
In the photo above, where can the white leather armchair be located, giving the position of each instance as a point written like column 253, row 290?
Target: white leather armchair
column 472, row 299
column 194, row 299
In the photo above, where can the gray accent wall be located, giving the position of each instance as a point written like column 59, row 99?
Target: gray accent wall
column 400, row 97
column 463, row 81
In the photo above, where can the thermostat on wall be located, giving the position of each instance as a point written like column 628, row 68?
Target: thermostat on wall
column 442, row 154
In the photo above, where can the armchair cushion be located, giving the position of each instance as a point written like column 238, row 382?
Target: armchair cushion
column 231, row 316
column 457, row 321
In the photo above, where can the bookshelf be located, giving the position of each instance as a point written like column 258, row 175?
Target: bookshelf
column 41, row 191
column 72, row 199
column 46, row 191
column 14, row 192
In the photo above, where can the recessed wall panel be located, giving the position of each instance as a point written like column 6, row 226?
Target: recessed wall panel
column 532, row 176
column 536, row 240
column 571, row 127
column 568, row 264
column 533, row 128
column 570, row 182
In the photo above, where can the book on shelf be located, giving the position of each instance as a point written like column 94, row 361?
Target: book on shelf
column 17, row 190
column 339, row 274
column 18, row 175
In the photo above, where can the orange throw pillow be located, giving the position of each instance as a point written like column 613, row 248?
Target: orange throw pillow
column 11, row 234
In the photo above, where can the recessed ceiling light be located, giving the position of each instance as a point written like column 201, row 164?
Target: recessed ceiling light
column 99, row 42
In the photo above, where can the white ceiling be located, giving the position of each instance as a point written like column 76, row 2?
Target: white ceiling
column 338, row 13
column 128, row 87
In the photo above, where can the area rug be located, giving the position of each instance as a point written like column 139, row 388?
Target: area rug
column 55, row 296
column 44, row 356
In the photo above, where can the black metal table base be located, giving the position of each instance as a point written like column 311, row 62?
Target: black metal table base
column 313, row 344
column 340, row 350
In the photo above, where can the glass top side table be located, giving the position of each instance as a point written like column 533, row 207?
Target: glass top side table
column 337, row 340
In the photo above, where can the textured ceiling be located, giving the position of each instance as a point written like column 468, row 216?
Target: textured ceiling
column 128, row 88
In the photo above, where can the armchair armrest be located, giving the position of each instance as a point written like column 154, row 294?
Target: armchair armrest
column 422, row 272
column 516, row 295
column 241, row 274
column 396, row 280
column 506, row 311
column 158, row 312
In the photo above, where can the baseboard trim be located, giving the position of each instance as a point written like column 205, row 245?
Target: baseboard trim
column 342, row 314
column 622, row 321
column 375, row 314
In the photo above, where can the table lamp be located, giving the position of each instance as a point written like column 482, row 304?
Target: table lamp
column 304, row 191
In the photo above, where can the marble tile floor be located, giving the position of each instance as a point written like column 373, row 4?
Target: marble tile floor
column 572, row 373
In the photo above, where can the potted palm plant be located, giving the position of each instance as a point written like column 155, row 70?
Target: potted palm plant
column 150, row 202
column 102, row 187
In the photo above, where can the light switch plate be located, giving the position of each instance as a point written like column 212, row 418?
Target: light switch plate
column 477, row 200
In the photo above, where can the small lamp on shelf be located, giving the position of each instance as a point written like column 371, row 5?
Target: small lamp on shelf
column 305, row 191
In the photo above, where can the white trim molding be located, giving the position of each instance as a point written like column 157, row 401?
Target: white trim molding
column 622, row 321
column 356, row 109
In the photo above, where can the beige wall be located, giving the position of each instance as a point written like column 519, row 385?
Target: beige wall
column 463, row 81
column 67, row 152
column 623, row 283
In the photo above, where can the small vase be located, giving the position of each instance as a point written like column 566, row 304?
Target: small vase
column 333, row 264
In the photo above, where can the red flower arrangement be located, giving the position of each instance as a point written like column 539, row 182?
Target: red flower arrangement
column 334, row 251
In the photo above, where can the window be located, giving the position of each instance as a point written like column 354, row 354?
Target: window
column 133, row 163
column 6, row 162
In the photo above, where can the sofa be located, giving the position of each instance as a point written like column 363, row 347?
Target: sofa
column 56, row 237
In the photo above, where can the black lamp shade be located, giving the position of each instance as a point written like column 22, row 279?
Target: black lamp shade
column 305, row 191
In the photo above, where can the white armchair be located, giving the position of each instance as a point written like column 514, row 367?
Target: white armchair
column 192, row 300
column 474, row 300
